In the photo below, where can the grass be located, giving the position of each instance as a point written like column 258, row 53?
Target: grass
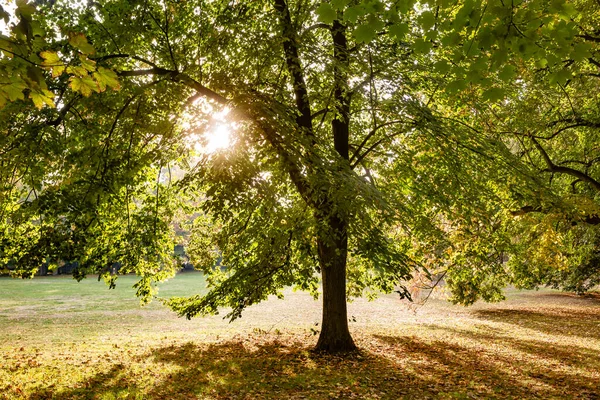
column 65, row 340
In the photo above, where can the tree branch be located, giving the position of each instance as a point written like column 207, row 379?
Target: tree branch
column 144, row 72
column 370, row 134
column 341, row 122
column 292, row 59
column 564, row 170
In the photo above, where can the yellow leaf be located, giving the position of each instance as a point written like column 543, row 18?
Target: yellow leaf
column 79, row 41
column 107, row 77
column 86, row 63
column 53, row 62
column 42, row 97
column 77, row 70
column 85, row 85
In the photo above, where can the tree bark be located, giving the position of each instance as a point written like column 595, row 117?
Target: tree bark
column 333, row 242
column 333, row 250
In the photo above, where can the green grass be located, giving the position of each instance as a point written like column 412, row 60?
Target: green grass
column 64, row 340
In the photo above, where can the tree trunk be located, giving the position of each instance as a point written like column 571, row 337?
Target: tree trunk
column 333, row 250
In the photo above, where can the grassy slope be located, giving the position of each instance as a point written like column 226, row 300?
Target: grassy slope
column 66, row 340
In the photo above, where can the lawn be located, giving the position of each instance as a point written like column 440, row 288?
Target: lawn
column 65, row 340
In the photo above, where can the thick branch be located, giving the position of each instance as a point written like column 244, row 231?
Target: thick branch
column 565, row 170
column 200, row 88
column 526, row 210
column 145, row 72
column 590, row 38
column 244, row 112
column 341, row 123
column 292, row 59
column 592, row 219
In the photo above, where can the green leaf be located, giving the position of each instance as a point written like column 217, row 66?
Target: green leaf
column 581, row 51
column 494, row 94
column 339, row 4
column 84, row 85
column 14, row 90
column 560, row 77
column 541, row 63
column 427, row 20
column 376, row 23
column 5, row 16
column 364, row 33
column 326, row 13
column 405, row 6
column 80, row 42
column 422, row 46
column 455, row 86
column 352, row 14
column 24, row 9
column 35, row 76
column 442, row 66
column 507, row 73
column 398, row 31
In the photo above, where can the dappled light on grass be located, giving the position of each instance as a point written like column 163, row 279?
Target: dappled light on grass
column 389, row 366
column 535, row 345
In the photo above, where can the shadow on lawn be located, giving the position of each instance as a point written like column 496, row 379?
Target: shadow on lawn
column 542, row 370
column 389, row 368
column 560, row 321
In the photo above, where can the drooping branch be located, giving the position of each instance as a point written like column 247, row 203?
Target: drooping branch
column 245, row 111
column 552, row 167
column 370, row 135
column 371, row 148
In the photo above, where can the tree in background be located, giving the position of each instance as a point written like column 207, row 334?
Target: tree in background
column 370, row 140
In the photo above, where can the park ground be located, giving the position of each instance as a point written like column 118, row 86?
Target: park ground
column 66, row 340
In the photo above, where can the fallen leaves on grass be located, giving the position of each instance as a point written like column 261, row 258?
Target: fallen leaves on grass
column 546, row 347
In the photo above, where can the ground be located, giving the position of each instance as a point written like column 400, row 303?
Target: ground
column 64, row 340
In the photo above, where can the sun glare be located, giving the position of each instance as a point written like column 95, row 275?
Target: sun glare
column 216, row 139
column 212, row 134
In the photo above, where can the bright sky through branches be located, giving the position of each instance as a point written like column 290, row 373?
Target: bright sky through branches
column 216, row 139
column 208, row 130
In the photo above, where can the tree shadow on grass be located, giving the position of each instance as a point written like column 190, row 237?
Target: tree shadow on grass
column 541, row 368
column 568, row 322
column 390, row 367
column 245, row 370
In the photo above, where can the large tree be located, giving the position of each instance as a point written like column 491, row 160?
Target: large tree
column 359, row 155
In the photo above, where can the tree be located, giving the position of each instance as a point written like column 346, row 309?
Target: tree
column 358, row 154
column 547, row 79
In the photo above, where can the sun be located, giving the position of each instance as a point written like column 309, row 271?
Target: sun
column 211, row 133
column 217, row 138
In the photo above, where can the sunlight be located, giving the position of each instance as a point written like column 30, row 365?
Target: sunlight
column 217, row 139
column 210, row 133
